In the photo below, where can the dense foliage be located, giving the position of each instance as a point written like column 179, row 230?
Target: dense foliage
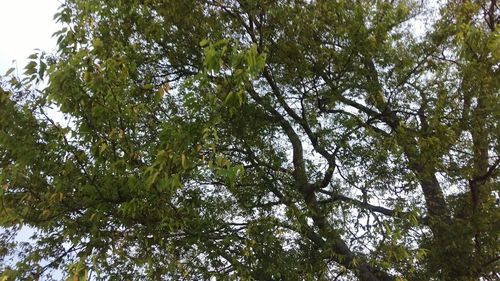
column 256, row 140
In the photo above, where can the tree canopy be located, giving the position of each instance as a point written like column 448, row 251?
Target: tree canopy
column 256, row 140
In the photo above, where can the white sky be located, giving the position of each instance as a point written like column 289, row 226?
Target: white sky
column 24, row 26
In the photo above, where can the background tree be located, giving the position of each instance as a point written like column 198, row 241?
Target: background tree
column 260, row 140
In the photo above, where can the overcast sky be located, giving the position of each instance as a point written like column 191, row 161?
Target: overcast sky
column 25, row 25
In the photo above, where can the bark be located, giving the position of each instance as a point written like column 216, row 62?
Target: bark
column 329, row 237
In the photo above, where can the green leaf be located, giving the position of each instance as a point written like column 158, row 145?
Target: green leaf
column 204, row 43
column 9, row 71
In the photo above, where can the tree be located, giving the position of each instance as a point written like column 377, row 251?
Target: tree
column 258, row 140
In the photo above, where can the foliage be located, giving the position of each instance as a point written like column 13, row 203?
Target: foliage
column 256, row 140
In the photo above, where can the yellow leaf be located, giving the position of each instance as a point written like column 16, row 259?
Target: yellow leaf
column 183, row 161
column 160, row 93
column 97, row 43
column 102, row 147
column 166, row 87
column 45, row 213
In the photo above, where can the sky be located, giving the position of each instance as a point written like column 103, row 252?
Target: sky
column 24, row 26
